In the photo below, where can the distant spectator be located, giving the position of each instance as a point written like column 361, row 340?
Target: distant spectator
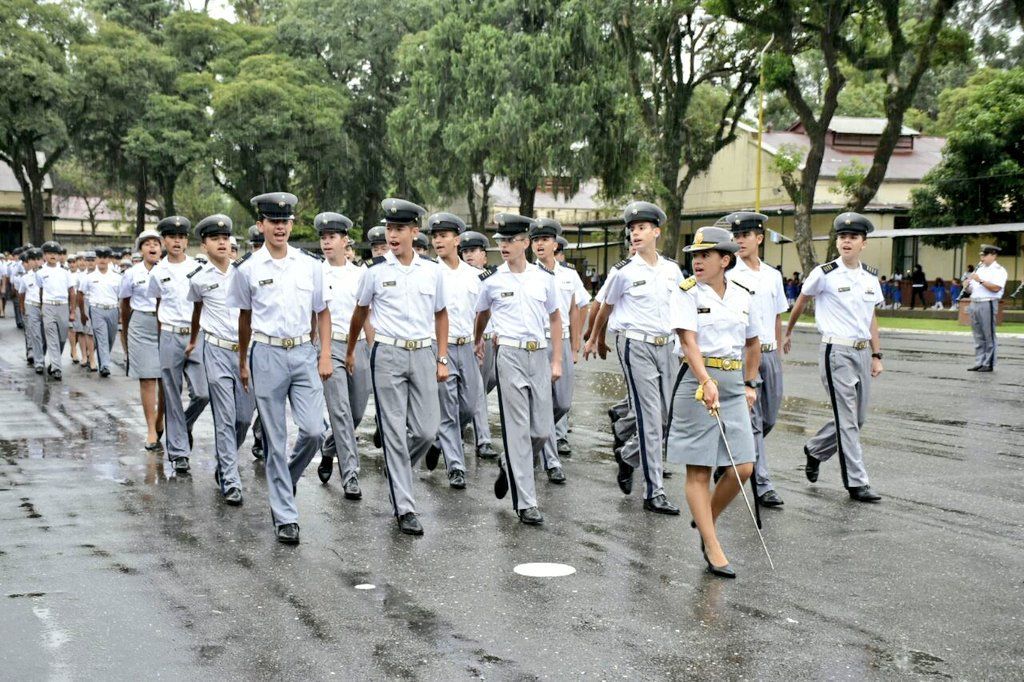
column 897, row 291
column 956, row 290
column 939, row 292
column 886, row 291
column 918, row 282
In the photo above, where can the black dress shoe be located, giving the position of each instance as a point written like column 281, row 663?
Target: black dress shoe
column 501, row 484
column 486, row 451
column 181, row 465
column 56, row 375
column 625, row 476
column 613, row 416
column 556, row 475
column 39, row 370
column 531, row 516
column 288, row 534
column 325, row 469
column 811, row 466
column 721, row 571
column 257, row 448
column 974, row 369
column 378, row 442
column 771, row 499
column 352, row 490
column 864, row 494
column 457, row 479
column 233, row 497
column 563, row 448
column 152, row 447
column 659, row 504
column 984, row 369
column 409, row 524
column 433, row 455
column 104, row 372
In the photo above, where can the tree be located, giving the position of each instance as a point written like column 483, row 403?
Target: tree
column 42, row 99
column 980, row 180
column 73, row 178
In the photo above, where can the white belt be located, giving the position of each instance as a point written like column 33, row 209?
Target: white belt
column 769, row 347
column 221, row 343
column 647, row 338
column 343, row 338
column 34, row 304
column 856, row 344
column 102, row 306
column 144, row 312
column 565, row 334
column 280, row 342
column 459, row 340
column 407, row 344
column 53, row 301
column 523, row 345
column 175, row 330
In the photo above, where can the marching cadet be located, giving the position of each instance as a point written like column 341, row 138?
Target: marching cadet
column 767, row 305
column 233, row 243
column 461, row 395
column 986, row 284
column 845, row 293
column 98, row 305
column 637, row 305
column 473, row 251
column 543, row 235
column 583, row 300
column 521, row 299
column 405, row 297
column 231, row 404
column 346, row 394
column 31, row 303
column 169, row 285
column 377, row 238
column 721, row 351
column 72, row 265
column 277, row 291
column 58, row 289
column 86, row 340
column 15, row 271
column 256, row 242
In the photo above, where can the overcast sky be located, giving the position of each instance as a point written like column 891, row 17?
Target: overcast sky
column 220, row 9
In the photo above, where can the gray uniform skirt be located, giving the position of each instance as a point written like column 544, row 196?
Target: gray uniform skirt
column 693, row 435
column 143, row 349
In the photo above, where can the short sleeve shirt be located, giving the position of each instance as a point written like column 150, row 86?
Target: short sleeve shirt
column 993, row 274
column 135, row 286
column 210, row 286
column 282, row 293
column 343, row 284
column 403, row 299
column 844, row 299
column 521, row 303
column 101, row 288
column 769, row 295
column 169, row 282
column 723, row 324
column 641, row 294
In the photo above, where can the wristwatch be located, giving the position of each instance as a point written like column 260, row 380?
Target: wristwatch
column 877, row 355
column 753, row 383
column 442, row 360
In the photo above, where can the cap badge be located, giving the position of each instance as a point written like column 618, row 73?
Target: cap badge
column 699, row 237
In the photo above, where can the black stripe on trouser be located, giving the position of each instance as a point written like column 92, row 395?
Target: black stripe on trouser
column 504, row 437
column 675, row 389
column 992, row 325
column 835, row 414
column 213, row 411
column 641, row 436
column 380, row 427
column 127, row 342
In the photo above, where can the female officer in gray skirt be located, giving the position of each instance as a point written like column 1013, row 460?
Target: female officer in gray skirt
column 139, row 334
column 721, row 353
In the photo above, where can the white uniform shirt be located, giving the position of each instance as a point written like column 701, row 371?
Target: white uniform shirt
column 723, row 325
column 15, row 272
column 282, row 293
column 209, row 286
column 135, row 286
column 403, row 298
column 641, row 295
column 844, row 299
column 462, row 285
column 29, row 286
column 565, row 286
column 343, row 284
column 599, row 298
column 993, row 274
column 101, row 289
column 521, row 303
column 169, row 282
column 582, row 294
column 55, row 282
column 769, row 295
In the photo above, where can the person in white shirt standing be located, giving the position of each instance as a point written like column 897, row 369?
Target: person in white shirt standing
column 231, row 404
column 987, row 283
column 58, row 288
column 846, row 293
column 346, row 394
column 767, row 305
column 169, row 285
column 98, row 299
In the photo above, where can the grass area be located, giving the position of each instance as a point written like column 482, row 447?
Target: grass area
column 922, row 324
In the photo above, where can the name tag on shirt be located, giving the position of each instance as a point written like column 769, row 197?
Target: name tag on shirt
column 388, row 284
column 140, row 281
column 842, row 289
column 506, row 294
column 703, row 310
column 264, row 282
column 211, row 287
column 166, row 279
column 640, row 282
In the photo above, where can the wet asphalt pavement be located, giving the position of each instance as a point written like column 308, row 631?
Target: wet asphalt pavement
column 111, row 567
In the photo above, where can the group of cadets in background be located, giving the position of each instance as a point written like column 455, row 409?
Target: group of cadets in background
column 430, row 338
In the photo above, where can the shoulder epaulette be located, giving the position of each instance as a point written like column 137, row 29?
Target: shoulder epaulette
column 312, row 255
column 620, row 264
column 239, row 261
column 829, row 267
column 189, row 275
column 567, row 264
column 358, row 262
column 377, row 260
column 743, row 286
column 688, row 283
column 868, row 268
column 487, row 272
column 427, row 258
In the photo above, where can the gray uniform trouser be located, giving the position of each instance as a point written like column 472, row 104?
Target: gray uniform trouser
column 405, row 395
column 34, row 334
column 487, row 369
column 176, row 369
column 278, row 375
column 650, row 372
column 104, row 329
column 481, row 426
column 561, row 400
column 524, row 401
column 983, row 324
column 764, row 415
column 232, row 408
column 846, row 374
column 346, row 397
column 459, row 399
column 55, row 331
column 18, row 317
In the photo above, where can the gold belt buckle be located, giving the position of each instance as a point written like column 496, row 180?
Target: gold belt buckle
column 532, row 345
column 287, row 343
column 234, row 347
column 660, row 340
column 734, row 364
column 410, row 345
column 860, row 345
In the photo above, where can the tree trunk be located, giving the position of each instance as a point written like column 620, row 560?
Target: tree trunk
column 486, row 182
column 527, row 193
column 474, row 222
column 804, row 235
column 141, row 192
column 37, row 212
column 167, row 190
column 671, row 242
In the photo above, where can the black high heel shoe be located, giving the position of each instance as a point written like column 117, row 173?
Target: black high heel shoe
column 721, row 571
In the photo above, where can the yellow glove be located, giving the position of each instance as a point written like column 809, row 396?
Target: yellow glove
column 699, row 396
